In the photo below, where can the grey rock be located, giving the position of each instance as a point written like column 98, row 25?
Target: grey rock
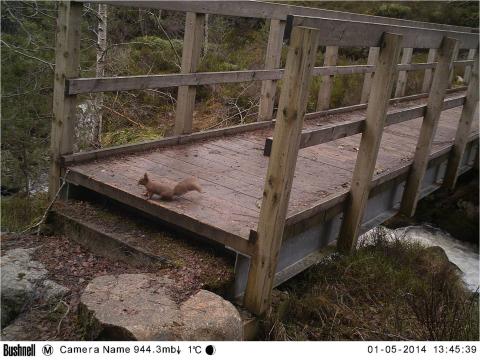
column 52, row 291
column 23, row 281
column 20, row 278
column 207, row 316
column 469, row 208
column 140, row 307
column 16, row 331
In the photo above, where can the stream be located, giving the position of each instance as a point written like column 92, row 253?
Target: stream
column 463, row 254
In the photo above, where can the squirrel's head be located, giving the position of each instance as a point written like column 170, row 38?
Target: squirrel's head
column 143, row 180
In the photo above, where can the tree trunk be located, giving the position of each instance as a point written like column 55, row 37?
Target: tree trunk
column 100, row 70
column 205, row 41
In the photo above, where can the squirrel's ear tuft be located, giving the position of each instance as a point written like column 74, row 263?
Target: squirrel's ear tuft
column 145, row 176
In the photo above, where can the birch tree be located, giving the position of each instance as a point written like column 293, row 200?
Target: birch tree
column 100, row 69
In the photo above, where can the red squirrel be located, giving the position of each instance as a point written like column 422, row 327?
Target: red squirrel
column 167, row 192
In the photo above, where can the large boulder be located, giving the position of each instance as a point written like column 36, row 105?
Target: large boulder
column 23, row 281
column 142, row 307
column 20, row 278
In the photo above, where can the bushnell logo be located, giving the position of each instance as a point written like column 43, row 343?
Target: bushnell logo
column 18, row 350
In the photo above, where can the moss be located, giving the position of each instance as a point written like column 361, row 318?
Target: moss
column 132, row 135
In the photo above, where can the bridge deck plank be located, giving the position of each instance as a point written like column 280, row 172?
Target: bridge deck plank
column 232, row 169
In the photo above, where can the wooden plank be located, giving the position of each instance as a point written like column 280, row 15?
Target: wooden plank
column 266, row 10
column 272, row 61
column 316, row 175
column 281, row 168
column 402, row 75
column 139, row 82
column 168, row 141
column 252, row 9
column 325, row 91
column 67, row 62
column 468, row 68
column 339, row 130
column 353, row 33
column 452, row 70
column 254, row 166
column 77, row 86
column 339, row 199
column 342, row 70
column 429, row 126
column 172, row 217
column 367, row 81
column 427, row 78
column 469, row 113
column 370, row 142
column 216, row 194
column 183, row 139
column 192, row 49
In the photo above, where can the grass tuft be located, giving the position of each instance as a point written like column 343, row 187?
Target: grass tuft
column 389, row 289
column 19, row 211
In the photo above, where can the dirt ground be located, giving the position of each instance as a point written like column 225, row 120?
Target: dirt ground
column 74, row 266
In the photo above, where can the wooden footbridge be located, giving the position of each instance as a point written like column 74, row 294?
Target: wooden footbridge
column 277, row 192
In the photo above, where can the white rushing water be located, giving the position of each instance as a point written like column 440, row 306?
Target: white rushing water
column 462, row 254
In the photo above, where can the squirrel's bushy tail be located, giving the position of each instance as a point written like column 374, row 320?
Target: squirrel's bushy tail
column 184, row 186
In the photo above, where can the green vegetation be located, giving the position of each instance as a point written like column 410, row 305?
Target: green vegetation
column 387, row 290
column 20, row 212
column 150, row 42
column 461, row 13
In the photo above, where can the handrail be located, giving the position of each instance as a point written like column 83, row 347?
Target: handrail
column 336, row 131
column 140, row 82
column 363, row 34
column 267, row 10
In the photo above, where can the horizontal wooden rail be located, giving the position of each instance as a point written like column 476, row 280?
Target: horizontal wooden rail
column 336, row 201
column 344, row 109
column 266, row 10
column 183, row 139
column 352, row 127
column 362, row 34
column 122, row 83
column 168, row 141
column 141, row 82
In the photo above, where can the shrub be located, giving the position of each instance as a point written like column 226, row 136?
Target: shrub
column 394, row 10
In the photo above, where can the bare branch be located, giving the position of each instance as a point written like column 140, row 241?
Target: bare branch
column 15, row 49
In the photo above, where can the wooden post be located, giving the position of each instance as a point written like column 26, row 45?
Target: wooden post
column 281, row 167
column 402, row 75
column 325, row 91
column 452, row 70
column 429, row 126
column 367, row 81
column 468, row 68
column 427, row 78
column 272, row 61
column 67, row 61
column 371, row 137
column 192, row 49
column 468, row 115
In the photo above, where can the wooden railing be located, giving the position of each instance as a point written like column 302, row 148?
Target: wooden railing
column 68, row 84
column 288, row 137
column 385, row 38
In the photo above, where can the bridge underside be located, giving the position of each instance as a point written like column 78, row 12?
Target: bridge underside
column 231, row 170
